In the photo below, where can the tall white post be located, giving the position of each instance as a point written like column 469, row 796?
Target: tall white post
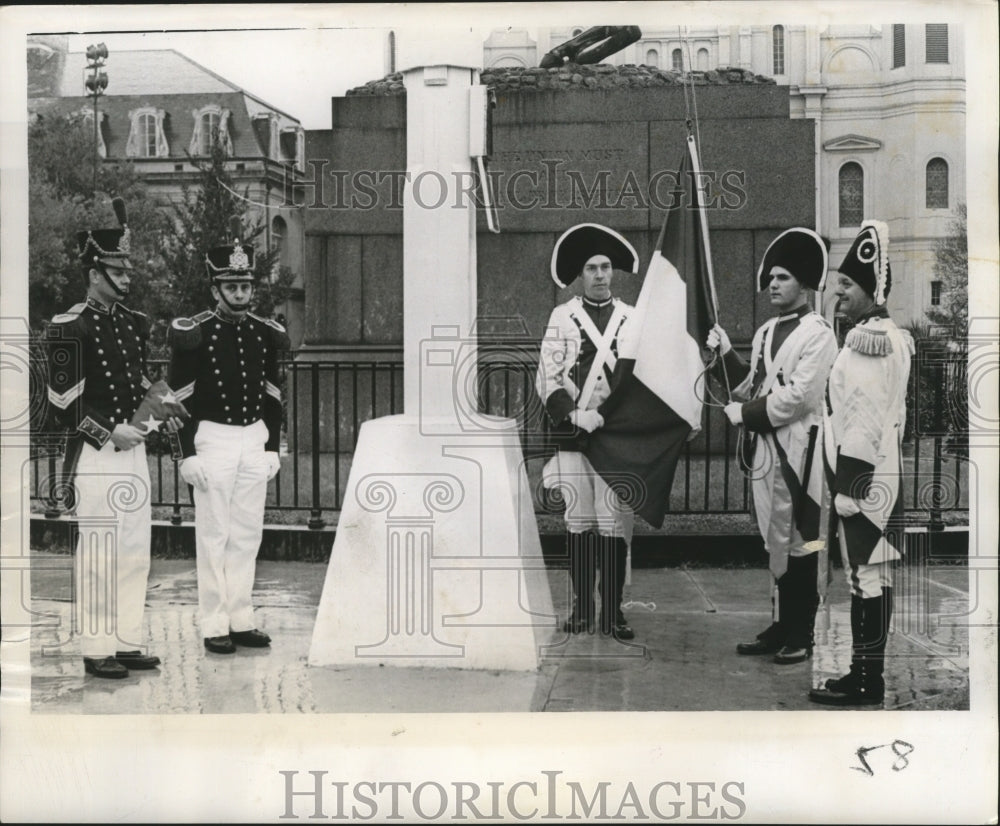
column 437, row 560
column 439, row 230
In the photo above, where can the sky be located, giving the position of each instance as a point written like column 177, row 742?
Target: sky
column 298, row 71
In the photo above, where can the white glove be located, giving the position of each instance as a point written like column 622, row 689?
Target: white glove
column 273, row 464
column 734, row 412
column 718, row 340
column 588, row 420
column 845, row 505
column 193, row 472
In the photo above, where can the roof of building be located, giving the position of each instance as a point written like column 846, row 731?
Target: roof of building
column 577, row 76
column 178, row 121
column 147, row 72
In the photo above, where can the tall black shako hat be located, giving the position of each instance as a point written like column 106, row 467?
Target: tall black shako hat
column 579, row 244
column 867, row 261
column 231, row 262
column 800, row 251
column 111, row 245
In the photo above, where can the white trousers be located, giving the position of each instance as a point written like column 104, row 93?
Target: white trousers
column 229, row 523
column 590, row 503
column 112, row 551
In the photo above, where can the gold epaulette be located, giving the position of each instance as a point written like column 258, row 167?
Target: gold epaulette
column 185, row 333
column 869, row 342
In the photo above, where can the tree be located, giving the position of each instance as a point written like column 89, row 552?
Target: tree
column 203, row 221
column 949, row 374
column 61, row 201
column 951, row 268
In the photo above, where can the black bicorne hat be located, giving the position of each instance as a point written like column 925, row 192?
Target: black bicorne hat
column 231, row 262
column 867, row 261
column 579, row 244
column 800, row 251
column 112, row 244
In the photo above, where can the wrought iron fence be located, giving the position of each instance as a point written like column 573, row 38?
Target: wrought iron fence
column 330, row 392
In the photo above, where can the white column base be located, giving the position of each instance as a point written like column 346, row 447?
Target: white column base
column 437, row 560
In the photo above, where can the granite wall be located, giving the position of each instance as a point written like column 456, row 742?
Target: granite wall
column 561, row 156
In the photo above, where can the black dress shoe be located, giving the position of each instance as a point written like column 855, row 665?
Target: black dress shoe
column 764, row 646
column 220, row 645
column 855, row 697
column 575, row 626
column 136, row 660
column 623, row 631
column 251, row 639
column 790, row 654
column 107, row 667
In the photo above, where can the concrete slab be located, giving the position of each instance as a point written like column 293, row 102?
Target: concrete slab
column 687, row 623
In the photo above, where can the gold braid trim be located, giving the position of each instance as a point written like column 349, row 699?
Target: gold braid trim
column 869, row 342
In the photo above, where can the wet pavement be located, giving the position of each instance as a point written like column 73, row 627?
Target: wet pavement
column 687, row 622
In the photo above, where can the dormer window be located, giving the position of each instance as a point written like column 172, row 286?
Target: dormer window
column 210, row 121
column 146, row 138
column 266, row 128
column 292, row 145
column 87, row 114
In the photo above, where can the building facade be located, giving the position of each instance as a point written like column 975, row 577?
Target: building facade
column 160, row 111
column 889, row 107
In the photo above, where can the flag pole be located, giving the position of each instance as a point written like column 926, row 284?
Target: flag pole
column 706, row 244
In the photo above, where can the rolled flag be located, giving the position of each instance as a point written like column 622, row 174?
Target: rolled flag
column 158, row 405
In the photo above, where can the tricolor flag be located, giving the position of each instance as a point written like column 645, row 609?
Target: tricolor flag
column 656, row 403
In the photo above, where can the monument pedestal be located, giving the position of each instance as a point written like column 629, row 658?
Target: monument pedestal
column 437, row 560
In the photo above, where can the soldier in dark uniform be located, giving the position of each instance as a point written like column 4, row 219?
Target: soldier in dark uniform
column 224, row 367
column 97, row 380
column 576, row 360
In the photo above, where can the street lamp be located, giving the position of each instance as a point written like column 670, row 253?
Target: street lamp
column 96, row 83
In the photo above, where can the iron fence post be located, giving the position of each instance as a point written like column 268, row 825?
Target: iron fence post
column 316, row 520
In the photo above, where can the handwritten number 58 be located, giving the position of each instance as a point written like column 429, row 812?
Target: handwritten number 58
column 899, row 747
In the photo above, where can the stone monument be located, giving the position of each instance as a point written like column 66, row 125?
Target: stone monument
column 437, row 560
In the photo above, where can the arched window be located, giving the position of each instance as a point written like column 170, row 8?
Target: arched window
column 653, row 58
column 146, row 137
column 852, row 195
column 703, row 60
column 937, row 183
column 677, row 60
column 210, row 121
column 778, row 49
column 146, row 127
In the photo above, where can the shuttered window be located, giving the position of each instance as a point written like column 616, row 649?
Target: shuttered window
column 937, row 42
column 898, row 45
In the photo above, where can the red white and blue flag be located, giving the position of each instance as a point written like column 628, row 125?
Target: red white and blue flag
column 656, row 403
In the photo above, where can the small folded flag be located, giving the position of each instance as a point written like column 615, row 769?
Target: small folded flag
column 158, row 405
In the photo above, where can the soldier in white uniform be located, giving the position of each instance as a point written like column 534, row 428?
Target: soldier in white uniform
column 224, row 367
column 578, row 355
column 863, row 434
column 97, row 380
column 779, row 403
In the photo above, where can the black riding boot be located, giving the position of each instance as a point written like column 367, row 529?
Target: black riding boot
column 614, row 560
column 582, row 550
column 864, row 684
column 798, row 599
